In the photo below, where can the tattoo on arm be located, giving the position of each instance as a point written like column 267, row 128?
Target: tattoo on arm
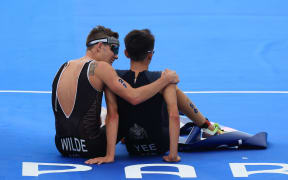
column 122, row 82
column 93, row 65
column 194, row 108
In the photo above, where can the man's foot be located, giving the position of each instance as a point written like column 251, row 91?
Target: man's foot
column 212, row 130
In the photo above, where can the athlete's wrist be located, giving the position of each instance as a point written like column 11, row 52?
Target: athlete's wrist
column 173, row 157
column 109, row 157
column 173, row 154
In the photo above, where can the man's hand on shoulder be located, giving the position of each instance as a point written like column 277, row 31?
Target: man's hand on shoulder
column 170, row 76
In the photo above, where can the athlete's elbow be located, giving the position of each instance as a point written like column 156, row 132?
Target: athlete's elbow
column 135, row 102
column 134, row 99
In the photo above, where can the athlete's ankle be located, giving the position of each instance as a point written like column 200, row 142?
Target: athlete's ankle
column 211, row 127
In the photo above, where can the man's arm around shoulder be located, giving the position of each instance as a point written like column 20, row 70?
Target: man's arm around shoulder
column 135, row 96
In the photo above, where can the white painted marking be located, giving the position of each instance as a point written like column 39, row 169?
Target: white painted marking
column 236, row 92
column 184, row 171
column 186, row 92
column 19, row 91
column 32, row 168
column 239, row 169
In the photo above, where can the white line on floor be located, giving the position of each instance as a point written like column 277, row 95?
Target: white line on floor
column 186, row 92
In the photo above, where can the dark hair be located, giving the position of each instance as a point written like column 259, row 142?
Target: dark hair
column 100, row 32
column 138, row 43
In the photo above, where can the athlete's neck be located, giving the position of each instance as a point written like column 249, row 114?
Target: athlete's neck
column 138, row 67
column 89, row 55
column 86, row 58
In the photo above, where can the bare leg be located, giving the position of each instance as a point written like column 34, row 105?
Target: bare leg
column 187, row 107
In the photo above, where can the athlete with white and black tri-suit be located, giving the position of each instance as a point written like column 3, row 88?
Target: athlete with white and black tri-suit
column 77, row 98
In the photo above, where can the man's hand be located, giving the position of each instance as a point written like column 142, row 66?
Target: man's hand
column 100, row 160
column 171, row 158
column 170, row 76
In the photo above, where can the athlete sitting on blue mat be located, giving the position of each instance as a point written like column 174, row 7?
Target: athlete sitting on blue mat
column 77, row 97
column 145, row 126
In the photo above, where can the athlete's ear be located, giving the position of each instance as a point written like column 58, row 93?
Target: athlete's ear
column 149, row 56
column 98, row 46
column 126, row 54
column 95, row 48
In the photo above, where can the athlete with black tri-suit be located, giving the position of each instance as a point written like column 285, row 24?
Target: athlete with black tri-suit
column 77, row 97
column 152, row 127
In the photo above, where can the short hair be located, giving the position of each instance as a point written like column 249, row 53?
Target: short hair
column 100, row 32
column 138, row 43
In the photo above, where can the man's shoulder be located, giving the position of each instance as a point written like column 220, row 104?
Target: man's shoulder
column 153, row 75
column 121, row 73
column 101, row 63
column 102, row 67
column 61, row 68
